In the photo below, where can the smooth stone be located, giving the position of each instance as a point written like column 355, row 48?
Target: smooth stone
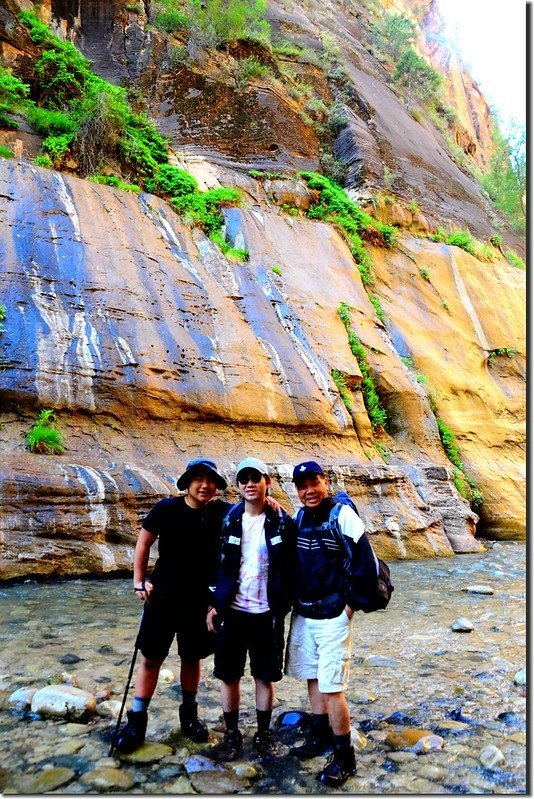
column 359, row 740
column 429, row 742
column 68, row 747
column 197, row 763
column 518, row 738
column 362, row 699
column 479, row 589
column 402, row 757
column 107, row 762
column 148, row 753
column 73, row 729
column 217, row 782
column 49, row 780
column 22, row 698
column 110, row 708
column 453, row 726
column 404, row 738
column 491, row 757
column 379, row 660
column 431, row 772
column 166, row 675
column 107, row 778
column 68, row 659
column 179, row 786
column 462, row 625
column 245, row 770
column 61, row 701
column 520, row 677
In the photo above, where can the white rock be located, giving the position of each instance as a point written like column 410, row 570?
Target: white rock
column 479, row 589
column 109, row 709
column 63, row 701
column 462, row 625
column 166, row 675
column 22, row 698
column 491, row 757
column 520, row 677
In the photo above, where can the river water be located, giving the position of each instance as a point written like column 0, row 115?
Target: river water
column 410, row 671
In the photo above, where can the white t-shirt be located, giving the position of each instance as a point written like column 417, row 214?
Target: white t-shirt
column 251, row 594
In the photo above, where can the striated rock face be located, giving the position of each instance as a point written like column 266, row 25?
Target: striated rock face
column 154, row 349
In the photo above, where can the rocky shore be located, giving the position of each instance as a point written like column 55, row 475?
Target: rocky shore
column 437, row 692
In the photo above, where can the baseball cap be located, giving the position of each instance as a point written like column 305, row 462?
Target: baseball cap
column 200, row 465
column 305, row 468
column 252, row 463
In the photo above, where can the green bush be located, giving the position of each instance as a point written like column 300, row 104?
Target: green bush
column 171, row 181
column 375, row 301
column 117, row 183
column 44, row 437
column 377, row 414
column 420, row 80
column 215, row 22
column 277, row 270
column 514, row 259
column 424, row 274
column 46, row 122
column 249, row 68
column 57, row 146
column 344, row 393
column 5, row 152
column 508, row 352
column 171, row 21
column 13, row 95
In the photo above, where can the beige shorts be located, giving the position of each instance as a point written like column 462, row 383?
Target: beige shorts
column 320, row 649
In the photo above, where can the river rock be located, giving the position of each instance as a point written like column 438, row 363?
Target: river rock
column 197, row 763
column 491, row 757
column 380, row 661
column 49, row 779
column 166, row 675
column 110, row 708
column 402, row 757
column 63, row 701
column 430, row 772
column 69, row 747
column 246, row 770
column 462, row 625
column 217, row 782
column 180, row 786
column 361, row 698
column 520, row 677
column 148, row 753
column 107, row 778
column 21, row 699
column 73, row 729
column 479, row 589
column 359, row 740
column 428, row 742
column 69, row 659
column 406, row 738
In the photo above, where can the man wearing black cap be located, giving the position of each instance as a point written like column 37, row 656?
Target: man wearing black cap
column 177, row 596
column 252, row 596
column 329, row 580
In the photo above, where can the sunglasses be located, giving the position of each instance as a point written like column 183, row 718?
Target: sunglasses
column 244, row 477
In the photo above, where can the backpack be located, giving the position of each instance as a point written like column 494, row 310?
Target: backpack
column 384, row 587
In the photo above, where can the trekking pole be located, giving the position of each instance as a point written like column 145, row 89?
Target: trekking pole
column 116, row 730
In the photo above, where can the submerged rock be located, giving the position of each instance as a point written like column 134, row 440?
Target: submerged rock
column 462, row 625
column 491, row 757
column 107, row 778
column 49, row 780
column 479, row 589
column 22, row 698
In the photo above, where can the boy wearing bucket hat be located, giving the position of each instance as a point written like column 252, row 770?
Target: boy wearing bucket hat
column 328, row 581
column 251, row 598
column 178, row 594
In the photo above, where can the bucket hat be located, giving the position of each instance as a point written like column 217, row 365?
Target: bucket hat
column 198, row 465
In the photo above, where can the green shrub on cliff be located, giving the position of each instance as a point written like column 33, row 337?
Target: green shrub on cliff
column 393, row 34
column 13, row 95
column 44, row 437
column 420, row 80
column 336, row 207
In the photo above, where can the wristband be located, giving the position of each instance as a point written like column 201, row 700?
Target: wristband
column 142, row 588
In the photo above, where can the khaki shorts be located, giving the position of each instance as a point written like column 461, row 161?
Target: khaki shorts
column 320, row 649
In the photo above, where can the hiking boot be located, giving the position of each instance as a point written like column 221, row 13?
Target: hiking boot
column 339, row 767
column 191, row 725
column 132, row 734
column 265, row 744
column 230, row 746
column 314, row 744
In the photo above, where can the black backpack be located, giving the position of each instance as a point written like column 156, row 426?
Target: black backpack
column 384, row 587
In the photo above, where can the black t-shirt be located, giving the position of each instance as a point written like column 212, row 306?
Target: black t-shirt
column 189, row 548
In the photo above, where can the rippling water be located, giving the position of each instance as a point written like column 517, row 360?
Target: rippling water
column 433, row 676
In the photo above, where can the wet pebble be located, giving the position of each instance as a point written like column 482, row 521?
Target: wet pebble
column 381, row 661
column 69, row 659
column 491, row 757
column 148, row 753
column 21, row 699
column 180, row 786
column 109, row 709
column 479, row 589
column 520, row 677
column 107, row 778
column 61, row 701
column 49, row 780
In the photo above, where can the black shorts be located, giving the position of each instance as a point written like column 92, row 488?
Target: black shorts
column 159, row 626
column 259, row 634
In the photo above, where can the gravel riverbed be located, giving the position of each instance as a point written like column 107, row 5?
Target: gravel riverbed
column 434, row 709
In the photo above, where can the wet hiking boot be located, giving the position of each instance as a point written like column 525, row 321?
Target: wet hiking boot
column 265, row 744
column 191, row 725
column 230, row 746
column 132, row 734
column 314, row 744
column 339, row 767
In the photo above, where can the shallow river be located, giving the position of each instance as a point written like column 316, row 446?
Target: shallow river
column 410, row 671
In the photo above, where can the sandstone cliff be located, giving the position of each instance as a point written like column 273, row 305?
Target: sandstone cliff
column 153, row 348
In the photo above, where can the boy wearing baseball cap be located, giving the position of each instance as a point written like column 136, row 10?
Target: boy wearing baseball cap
column 178, row 594
column 251, row 598
column 328, row 580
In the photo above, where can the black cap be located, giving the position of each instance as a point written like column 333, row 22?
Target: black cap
column 305, row 468
column 200, row 465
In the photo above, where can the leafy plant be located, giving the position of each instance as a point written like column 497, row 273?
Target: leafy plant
column 375, row 301
column 13, row 96
column 419, row 79
column 382, row 450
column 5, row 152
column 496, row 240
column 171, row 21
column 501, row 351
column 3, row 314
column 514, row 259
column 344, row 393
column 506, row 180
column 216, row 22
column 44, row 437
column 424, row 274
column 407, row 361
column 249, row 68
column 393, row 34
column 117, row 183
column 414, row 207
column 276, row 270
column 377, row 414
